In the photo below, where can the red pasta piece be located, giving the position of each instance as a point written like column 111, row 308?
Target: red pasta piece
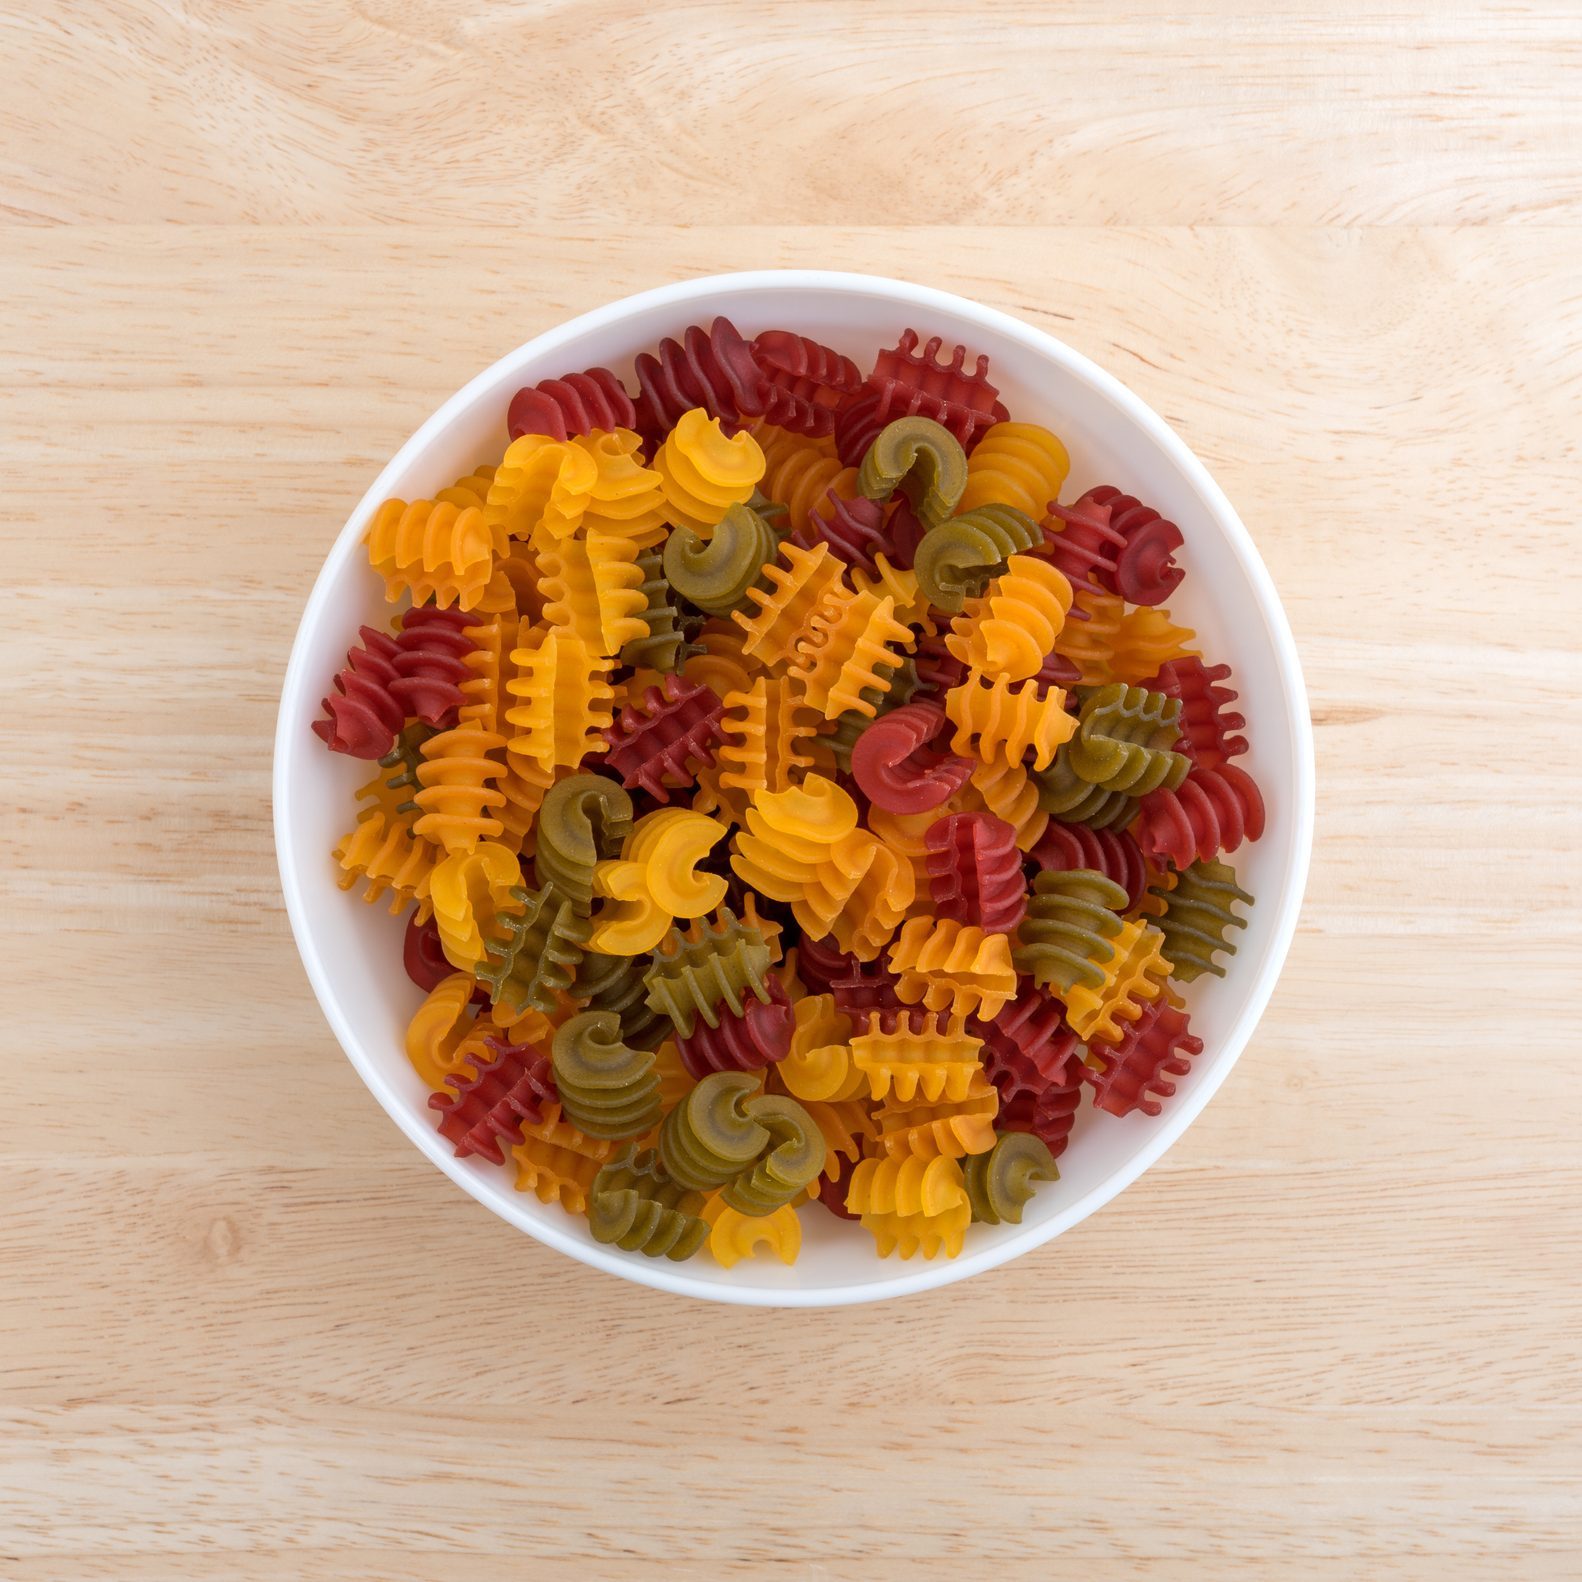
column 1050, row 1114
column 820, row 961
column 1028, row 1048
column 857, row 426
column 937, row 669
column 1145, row 572
column 577, row 404
column 757, row 1038
column 853, row 529
column 896, row 769
column 424, row 957
column 1211, row 811
column 491, row 1104
column 866, row 986
column 659, row 742
column 832, row 1194
column 713, row 368
column 1083, row 543
column 806, row 371
column 1135, row 1073
column 1207, row 724
column 1113, row 853
column 362, row 716
column 910, row 382
column 430, row 664
column 975, row 871
column 905, row 533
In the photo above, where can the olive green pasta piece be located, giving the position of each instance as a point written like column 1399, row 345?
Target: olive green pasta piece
column 922, row 459
column 1072, row 914
column 714, row 963
column 793, row 1160
column 958, row 559
column 607, row 1088
column 776, row 515
column 404, row 758
column 538, row 956
column 715, row 573
column 1065, row 794
column 1001, row 1182
column 616, row 983
column 584, row 817
column 635, row 1204
column 709, row 1138
column 1124, row 740
column 663, row 647
column 1197, row 913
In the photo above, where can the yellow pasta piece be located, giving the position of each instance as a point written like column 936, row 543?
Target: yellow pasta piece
column 384, row 852
column 951, row 966
column 542, row 487
column 1147, row 639
column 921, row 1054
column 958, row 1127
column 819, row 1065
column 627, row 498
column 1007, row 791
column 790, row 590
column 558, row 1163
column 458, row 779
column 801, row 481
column 1134, row 974
column 911, row 603
column 766, row 727
column 655, row 880
column 469, row 891
column 1011, row 630
column 848, row 652
column 1016, row 464
column 563, row 700
column 734, row 1235
column 911, row 1204
column 703, row 472
column 1090, row 644
column 996, row 720
column 431, row 549
column 438, row 1029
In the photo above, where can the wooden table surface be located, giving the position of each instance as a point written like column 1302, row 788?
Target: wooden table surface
column 246, row 1332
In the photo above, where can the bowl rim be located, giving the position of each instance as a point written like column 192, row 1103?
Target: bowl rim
column 657, row 1274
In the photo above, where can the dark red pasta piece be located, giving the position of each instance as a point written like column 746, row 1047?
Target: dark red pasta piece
column 1208, row 724
column 1027, row 1048
column 362, row 718
column 853, row 529
column 832, row 1194
column 659, row 742
column 897, row 769
column 912, row 382
column 1211, row 811
column 938, row 670
column 857, row 426
column 904, row 533
column 712, row 368
column 1135, row 1073
column 820, row 961
column 1113, row 853
column 1083, row 543
column 1145, row 570
column 430, row 664
column 757, row 1038
column 424, row 957
column 975, row 871
column 577, row 404
column 490, row 1105
column 805, row 370
column 867, row 986
column 1057, row 670
column 1049, row 1114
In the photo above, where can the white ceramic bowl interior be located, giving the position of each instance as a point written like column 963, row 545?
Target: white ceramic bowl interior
column 353, row 951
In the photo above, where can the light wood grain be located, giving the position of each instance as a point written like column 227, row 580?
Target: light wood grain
column 245, row 1332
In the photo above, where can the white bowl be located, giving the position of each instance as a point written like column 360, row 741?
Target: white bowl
column 353, row 952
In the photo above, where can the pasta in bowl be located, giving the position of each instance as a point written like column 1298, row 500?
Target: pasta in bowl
column 820, row 775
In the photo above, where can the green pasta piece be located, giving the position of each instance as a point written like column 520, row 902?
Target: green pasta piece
column 709, row 1138
column 607, row 1088
column 1124, row 740
column 1002, row 1182
column 664, row 647
column 584, row 817
column 776, row 515
column 715, row 573
column 404, row 758
column 636, row 1205
column 1064, row 939
column 709, row 965
column 616, row 983
column 922, row 459
column 1196, row 917
column 538, row 957
column 1065, row 794
column 958, row 559
column 792, row 1161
